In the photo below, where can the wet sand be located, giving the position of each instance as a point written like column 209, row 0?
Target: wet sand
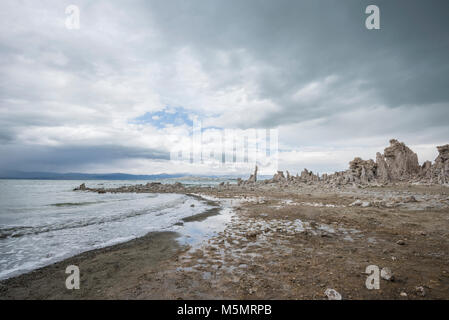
column 290, row 243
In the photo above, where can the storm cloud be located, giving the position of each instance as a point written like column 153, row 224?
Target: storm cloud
column 334, row 89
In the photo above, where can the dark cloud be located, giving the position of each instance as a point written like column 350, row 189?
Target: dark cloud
column 64, row 159
column 404, row 63
column 309, row 66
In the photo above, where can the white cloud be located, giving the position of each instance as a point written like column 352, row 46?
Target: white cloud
column 327, row 92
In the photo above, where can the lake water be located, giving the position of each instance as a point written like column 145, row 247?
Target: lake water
column 44, row 221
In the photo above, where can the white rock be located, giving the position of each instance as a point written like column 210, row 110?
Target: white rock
column 386, row 274
column 332, row 294
column 356, row 203
column 366, row 204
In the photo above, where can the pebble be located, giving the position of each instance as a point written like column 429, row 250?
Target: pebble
column 420, row 291
column 386, row 274
column 410, row 199
column 332, row 294
column 356, row 203
column 366, row 204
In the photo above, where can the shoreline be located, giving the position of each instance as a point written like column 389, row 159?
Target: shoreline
column 177, row 238
column 281, row 243
column 124, row 258
column 148, row 252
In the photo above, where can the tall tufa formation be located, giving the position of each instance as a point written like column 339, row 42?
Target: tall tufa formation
column 362, row 171
column 383, row 174
column 253, row 177
column 401, row 162
column 440, row 169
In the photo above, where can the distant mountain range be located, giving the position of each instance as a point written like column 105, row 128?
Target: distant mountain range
column 112, row 176
column 84, row 176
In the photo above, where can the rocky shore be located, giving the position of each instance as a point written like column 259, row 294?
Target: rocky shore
column 398, row 165
column 291, row 237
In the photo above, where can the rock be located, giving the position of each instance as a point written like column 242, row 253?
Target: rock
column 362, row 171
column 366, row 204
column 253, row 177
column 382, row 168
column 426, row 170
column 420, row 291
column 386, row 274
column 279, row 176
column 252, row 234
column 332, row 294
column 402, row 162
column 356, row 203
column 403, row 294
column 409, row 199
column 400, row 242
column 178, row 185
column 308, row 176
column 82, row 187
column 440, row 170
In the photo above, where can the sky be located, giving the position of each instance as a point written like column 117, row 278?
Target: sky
column 118, row 93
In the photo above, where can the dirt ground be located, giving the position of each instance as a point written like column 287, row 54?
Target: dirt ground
column 280, row 244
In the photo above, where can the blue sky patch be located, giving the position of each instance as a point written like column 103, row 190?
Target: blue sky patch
column 176, row 116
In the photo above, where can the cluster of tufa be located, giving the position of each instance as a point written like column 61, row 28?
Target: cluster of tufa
column 398, row 163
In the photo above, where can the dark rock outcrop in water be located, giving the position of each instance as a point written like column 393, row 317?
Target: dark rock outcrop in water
column 150, row 187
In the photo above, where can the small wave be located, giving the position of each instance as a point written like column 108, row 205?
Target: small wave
column 73, row 204
column 19, row 231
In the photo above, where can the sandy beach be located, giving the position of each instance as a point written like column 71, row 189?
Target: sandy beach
column 290, row 242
